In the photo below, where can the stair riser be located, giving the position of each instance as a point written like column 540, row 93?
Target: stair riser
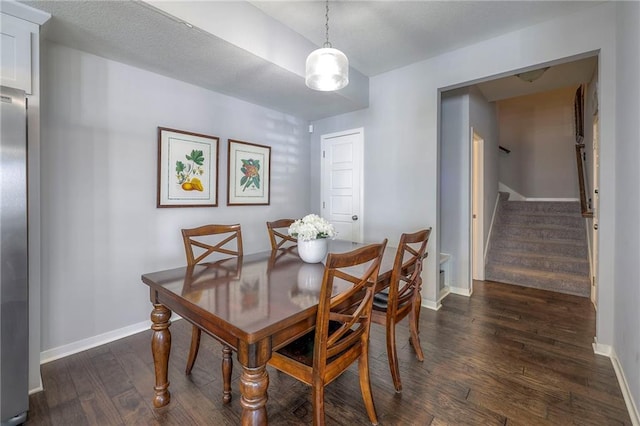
column 541, row 233
column 544, row 264
column 560, row 220
column 559, row 249
column 578, row 286
column 547, row 207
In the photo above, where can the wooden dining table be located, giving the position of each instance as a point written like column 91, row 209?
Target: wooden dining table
column 255, row 304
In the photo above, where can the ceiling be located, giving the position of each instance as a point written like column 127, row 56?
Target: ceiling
column 256, row 50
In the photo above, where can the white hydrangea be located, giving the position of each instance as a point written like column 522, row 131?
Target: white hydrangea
column 311, row 227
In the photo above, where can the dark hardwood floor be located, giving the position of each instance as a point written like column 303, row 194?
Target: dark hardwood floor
column 508, row 355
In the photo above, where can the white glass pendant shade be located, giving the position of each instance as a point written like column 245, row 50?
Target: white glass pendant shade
column 327, row 69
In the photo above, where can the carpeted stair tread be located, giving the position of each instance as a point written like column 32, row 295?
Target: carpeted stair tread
column 539, row 218
column 559, row 263
column 575, row 284
column 540, row 244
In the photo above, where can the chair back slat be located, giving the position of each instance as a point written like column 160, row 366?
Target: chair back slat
column 196, row 237
column 279, row 235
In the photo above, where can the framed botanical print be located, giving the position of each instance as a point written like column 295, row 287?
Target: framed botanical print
column 187, row 169
column 248, row 174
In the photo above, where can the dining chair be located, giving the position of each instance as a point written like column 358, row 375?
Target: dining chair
column 199, row 244
column 277, row 236
column 341, row 334
column 403, row 297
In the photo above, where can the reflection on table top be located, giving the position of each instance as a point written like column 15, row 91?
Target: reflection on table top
column 255, row 291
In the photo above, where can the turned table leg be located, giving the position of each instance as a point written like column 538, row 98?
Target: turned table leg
column 253, row 387
column 160, row 347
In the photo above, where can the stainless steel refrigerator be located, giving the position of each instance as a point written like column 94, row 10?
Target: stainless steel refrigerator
column 14, row 308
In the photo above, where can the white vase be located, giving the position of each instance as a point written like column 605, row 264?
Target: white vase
column 313, row 251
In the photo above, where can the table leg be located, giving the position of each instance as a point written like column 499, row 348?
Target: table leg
column 161, row 347
column 253, row 387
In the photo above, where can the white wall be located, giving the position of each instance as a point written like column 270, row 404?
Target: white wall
column 100, row 226
column 626, row 287
column 539, row 131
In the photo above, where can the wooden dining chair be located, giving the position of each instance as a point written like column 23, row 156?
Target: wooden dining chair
column 403, row 297
column 199, row 244
column 279, row 236
column 341, row 334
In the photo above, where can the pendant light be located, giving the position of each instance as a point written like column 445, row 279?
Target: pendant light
column 327, row 68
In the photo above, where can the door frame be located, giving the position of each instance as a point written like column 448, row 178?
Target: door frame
column 323, row 172
column 476, row 219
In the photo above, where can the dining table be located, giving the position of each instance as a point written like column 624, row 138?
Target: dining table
column 255, row 303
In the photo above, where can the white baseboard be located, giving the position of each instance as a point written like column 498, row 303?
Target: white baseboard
column 608, row 351
column 461, row 291
column 37, row 389
column 434, row 306
column 91, row 342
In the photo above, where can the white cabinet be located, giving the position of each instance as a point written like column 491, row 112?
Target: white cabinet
column 16, row 50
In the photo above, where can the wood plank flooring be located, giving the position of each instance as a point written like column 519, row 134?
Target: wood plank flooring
column 508, row 355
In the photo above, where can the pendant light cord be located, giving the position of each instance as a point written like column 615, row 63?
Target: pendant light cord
column 326, row 26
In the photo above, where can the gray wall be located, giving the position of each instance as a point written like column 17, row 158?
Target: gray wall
column 454, row 185
column 626, row 286
column 100, row 226
column 483, row 118
column 461, row 110
column 539, row 131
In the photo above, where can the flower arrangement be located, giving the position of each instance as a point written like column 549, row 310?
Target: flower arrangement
column 311, row 227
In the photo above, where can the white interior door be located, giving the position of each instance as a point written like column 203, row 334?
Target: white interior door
column 341, row 182
column 477, row 202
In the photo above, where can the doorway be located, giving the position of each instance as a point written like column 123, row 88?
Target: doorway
column 477, row 210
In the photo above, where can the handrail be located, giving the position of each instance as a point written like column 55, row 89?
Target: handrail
column 582, row 177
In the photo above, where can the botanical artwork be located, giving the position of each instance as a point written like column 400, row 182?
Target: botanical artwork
column 250, row 170
column 248, row 173
column 187, row 169
column 188, row 173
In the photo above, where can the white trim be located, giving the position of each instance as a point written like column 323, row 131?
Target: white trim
column 24, row 12
column 38, row 388
column 608, row 351
column 434, row 306
column 551, row 199
column 600, row 349
column 91, row 342
column 634, row 414
column 461, row 291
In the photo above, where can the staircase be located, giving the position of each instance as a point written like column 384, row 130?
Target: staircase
column 539, row 244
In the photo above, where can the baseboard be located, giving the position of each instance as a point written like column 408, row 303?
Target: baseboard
column 608, row 351
column 91, row 342
column 37, row 389
column 434, row 306
column 460, row 291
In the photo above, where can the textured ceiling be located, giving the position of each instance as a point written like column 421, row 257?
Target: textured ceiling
column 256, row 50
